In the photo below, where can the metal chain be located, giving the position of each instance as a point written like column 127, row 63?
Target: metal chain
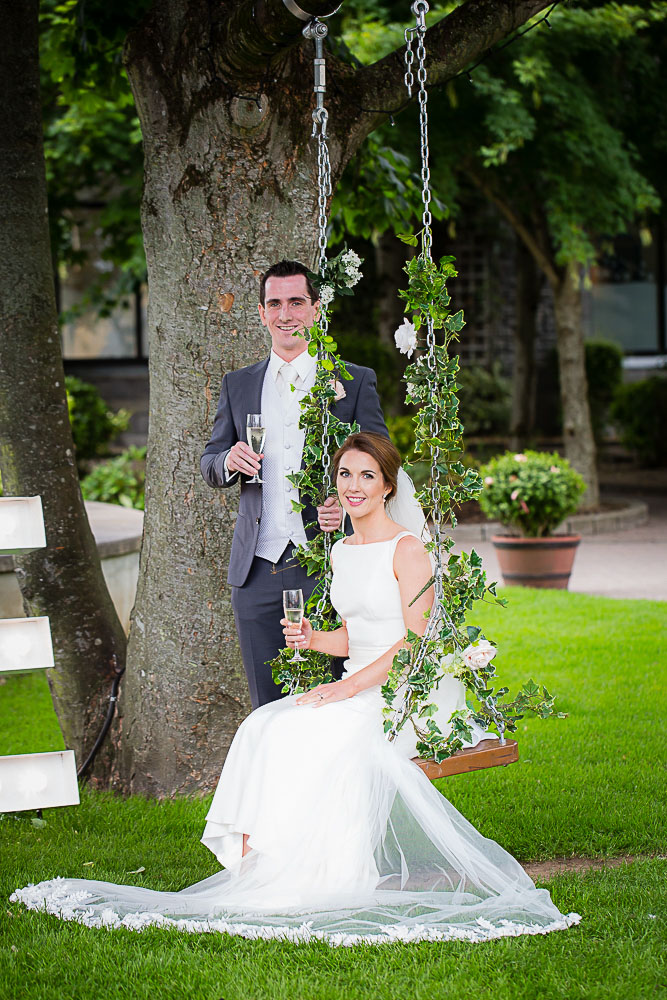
column 317, row 31
column 438, row 611
column 323, row 186
column 324, row 193
column 420, row 9
column 409, row 59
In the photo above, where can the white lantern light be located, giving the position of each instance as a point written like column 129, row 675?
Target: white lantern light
column 21, row 524
column 38, row 781
column 25, row 644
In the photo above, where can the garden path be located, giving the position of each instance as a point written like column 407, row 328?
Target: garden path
column 621, row 564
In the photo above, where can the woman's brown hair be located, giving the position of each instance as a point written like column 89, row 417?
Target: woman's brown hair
column 378, row 447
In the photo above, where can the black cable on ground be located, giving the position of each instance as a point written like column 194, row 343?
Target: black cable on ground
column 113, row 698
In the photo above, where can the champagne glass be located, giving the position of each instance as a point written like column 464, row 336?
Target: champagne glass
column 293, row 607
column 256, row 436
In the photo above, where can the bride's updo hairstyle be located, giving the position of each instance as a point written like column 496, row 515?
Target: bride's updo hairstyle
column 378, row 447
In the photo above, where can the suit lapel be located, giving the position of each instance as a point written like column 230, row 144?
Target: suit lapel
column 248, row 397
column 258, row 382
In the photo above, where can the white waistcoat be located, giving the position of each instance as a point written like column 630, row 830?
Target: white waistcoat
column 279, row 524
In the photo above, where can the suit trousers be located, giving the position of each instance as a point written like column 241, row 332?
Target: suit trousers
column 258, row 608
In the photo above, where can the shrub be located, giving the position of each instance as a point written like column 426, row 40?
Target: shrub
column 640, row 411
column 120, row 480
column 604, row 374
column 402, row 432
column 484, row 400
column 530, row 493
column 94, row 425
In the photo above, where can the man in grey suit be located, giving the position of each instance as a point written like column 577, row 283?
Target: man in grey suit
column 261, row 565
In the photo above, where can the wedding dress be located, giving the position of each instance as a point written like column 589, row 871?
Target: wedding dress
column 349, row 840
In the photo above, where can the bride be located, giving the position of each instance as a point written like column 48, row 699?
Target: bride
column 324, row 828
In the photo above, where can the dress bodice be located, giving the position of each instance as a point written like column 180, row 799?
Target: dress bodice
column 366, row 595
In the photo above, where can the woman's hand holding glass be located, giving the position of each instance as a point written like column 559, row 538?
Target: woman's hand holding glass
column 297, row 636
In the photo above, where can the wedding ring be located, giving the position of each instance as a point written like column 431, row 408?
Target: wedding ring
column 322, row 697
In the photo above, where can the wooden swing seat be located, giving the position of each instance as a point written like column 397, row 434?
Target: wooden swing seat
column 487, row 753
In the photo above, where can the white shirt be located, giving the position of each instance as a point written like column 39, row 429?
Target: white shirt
column 283, row 451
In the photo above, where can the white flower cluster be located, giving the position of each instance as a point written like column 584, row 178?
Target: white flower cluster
column 351, row 263
column 326, row 294
column 406, row 338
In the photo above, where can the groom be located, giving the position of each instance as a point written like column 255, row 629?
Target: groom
column 267, row 529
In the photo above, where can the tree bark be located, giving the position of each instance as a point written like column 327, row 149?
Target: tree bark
column 577, row 427
column 230, row 187
column 528, row 289
column 63, row 581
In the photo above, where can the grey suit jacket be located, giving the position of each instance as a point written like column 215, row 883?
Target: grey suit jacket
column 241, row 394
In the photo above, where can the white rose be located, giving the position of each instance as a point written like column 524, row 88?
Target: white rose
column 326, row 294
column 478, row 654
column 406, row 338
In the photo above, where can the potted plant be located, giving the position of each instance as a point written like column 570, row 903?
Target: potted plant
column 531, row 493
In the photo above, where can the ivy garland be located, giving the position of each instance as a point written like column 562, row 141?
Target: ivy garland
column 340, row 275
column 449, row 646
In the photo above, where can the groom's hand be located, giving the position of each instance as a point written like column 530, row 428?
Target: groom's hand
column 330, row 515
column 241, row 458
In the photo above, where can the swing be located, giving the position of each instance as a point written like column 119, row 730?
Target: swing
column 489, row 752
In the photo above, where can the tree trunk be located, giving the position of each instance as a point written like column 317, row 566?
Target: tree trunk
column 528, row 288
column 63, row 581
column 577, row 428
column 230, row 187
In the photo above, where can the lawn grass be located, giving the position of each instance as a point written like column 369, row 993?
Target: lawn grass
column 616, row 953
column 594, row 783
column 591, row 784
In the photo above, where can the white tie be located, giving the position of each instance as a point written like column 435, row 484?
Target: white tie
column 289, row 375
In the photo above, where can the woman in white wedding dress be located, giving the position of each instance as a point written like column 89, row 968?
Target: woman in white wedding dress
column 324, row 828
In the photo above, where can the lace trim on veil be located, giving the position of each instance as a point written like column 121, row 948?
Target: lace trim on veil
column 56, row 898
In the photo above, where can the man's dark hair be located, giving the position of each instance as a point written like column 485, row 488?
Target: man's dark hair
column 286, row 269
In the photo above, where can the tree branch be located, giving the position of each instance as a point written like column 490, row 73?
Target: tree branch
column 255, row 33
column 452, row 44
column 540, row 254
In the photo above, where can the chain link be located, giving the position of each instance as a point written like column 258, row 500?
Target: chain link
column 409, row 59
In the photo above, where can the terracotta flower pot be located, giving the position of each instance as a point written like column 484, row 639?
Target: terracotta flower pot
column 536, row 562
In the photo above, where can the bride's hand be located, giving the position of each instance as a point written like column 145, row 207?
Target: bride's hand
column 297, row 634
column 325, row 694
